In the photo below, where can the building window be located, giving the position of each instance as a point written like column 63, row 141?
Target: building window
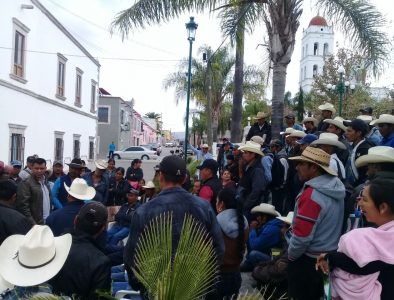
column 61, row 73
column 325, row 49
column 305, row 72
column 93, row 97
column 316, row 49
column 306, row 49
column 17, row 142
column 122, row 121
column 78, row 87
column 314, row 71
column 59, row 145
column 103, row 114
column 18, row 69
column 91, row 147
column 303, row 52
column 76, row 146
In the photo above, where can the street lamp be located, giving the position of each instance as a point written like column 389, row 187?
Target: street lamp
column 191, row 34
column 342, row 87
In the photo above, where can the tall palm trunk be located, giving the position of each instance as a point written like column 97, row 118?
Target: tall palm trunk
column 278, row 91
column 236, row 115
column 215, row 125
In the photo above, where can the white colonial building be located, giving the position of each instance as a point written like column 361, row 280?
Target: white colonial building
column 48, row 87
column 317, row 43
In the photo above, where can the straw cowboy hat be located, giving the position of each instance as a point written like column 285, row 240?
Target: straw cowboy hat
column 288, row 219
column 297, row 134
column 101, row 164
column 79, row 189
column 252, row 147
column 327, row 138
column 149, row 185
column 316, row 156
column 34, row 258
column 376, row 155
column 311, row 119
column 327, row 106
column 260, row 115
column 367, row 119
column 337, row 121
column 257, row 139
column 385, row 118
column 265, row 208
column 288, row 131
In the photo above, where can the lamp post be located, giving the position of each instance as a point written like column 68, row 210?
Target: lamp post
column 342, row 87
column 191, row 34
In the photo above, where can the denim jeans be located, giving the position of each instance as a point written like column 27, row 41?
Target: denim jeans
column 253, row 258
column 117, row 233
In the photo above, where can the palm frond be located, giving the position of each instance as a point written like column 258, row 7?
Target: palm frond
column 362, row 23
column 187, row 273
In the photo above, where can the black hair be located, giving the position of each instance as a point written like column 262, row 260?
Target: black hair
column 7, row 189
column 135, row 161
column 382, row 190
column 232, row 200
column 173, row 178
column 120, row 169
column 111, row 159
column 39, row 161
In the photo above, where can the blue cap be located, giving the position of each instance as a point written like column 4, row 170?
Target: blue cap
column 307, row 139
column 16, row 163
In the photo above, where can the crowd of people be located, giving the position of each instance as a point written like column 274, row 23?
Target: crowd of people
column 316, row 201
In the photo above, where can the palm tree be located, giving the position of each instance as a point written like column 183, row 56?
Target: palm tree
column 152, row 115
column 358, row 20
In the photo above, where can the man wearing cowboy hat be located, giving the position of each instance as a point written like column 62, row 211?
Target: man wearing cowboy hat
column 62, row 220
column 150, row 192
column 202, row 154
column 338, row 127
column 264, row 234
column 310, row 124
column 373, row 134
column 386, row 129
column 317, row 224
column 59, row 193
column 99, row 181
column 327, row 112
column 252, row 183
column 261, row 128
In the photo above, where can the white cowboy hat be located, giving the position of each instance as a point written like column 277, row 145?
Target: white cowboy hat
column 4, row 285
column 337, row 121
column 79, row 189
column 288, row 130
column 149, row 185
column 252, row 147
column 310, row 119
column 34, row 258
column 101, row 164
column 260, row 115
column 297, row 134
column 204, row 146
column 376, row 155
column 316, row 156
column 385, row 118
column 327, row 106
column 327, row 138
column 258, row 139
column 367, row 119
column 288, row 219
column 265, row 208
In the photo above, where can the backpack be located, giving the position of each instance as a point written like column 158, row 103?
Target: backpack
column 277, row 172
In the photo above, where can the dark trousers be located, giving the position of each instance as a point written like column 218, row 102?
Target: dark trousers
column 304, row 282
column 278, row 200
column 110, row 154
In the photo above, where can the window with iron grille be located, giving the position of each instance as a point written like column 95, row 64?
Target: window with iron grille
column 17, row 148
column 61, row 76
column 91, row 149
column 77, row 148
column 19, row 54
column 78, row 87
column 59, row 145
column 103, row 114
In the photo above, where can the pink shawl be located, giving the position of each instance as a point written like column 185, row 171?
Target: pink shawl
column 363, row 245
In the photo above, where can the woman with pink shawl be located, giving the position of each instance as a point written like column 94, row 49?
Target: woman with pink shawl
column 363, row 266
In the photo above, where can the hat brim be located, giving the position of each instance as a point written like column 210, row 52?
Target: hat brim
column 101, row 167
column 337, row 144
column 302, row 158
column 91, row 192
column 148, row 187
column 373, row 159
column 13, row 272
column 382, row 121
column 4, row 285
column 250, row 149
column 75, row 166
column 335, row 123
column 285, row 219
column 261, row 210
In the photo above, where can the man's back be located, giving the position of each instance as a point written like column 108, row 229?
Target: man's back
column 12, row 222
column 62, row 220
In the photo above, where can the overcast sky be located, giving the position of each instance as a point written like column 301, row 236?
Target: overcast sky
column 136, row 67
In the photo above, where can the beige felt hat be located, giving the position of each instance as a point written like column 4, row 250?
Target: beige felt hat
column 260, row 115
column 337, row 121
column 101, row 164
column 149, row 185
column 288, row 219
column 316, row 156
column 327, row 106
column 327, row 138
column 297, row 134
column 79, row 189
column 34, row 258
column 288, row 131
column 257, row 139
column 376, row 155
column 367, row 119
column 310, row 119
column 265, row 208
column 204, row 146
column 252, row 147
column 385, row 118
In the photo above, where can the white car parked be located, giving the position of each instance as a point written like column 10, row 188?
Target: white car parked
column 135, row 152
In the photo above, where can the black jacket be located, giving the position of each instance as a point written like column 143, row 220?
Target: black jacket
column 134, row 174
column 253, row 184
column 255, row 130
column 86, row 270
column 125, row 214
column 12, row 222
column 117, row 192
column 216, row 186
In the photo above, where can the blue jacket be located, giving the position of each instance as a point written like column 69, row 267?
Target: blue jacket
column 62, row 220
column 101, row 188
column 388, row 142
column 59, row 193
column 268, row 236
